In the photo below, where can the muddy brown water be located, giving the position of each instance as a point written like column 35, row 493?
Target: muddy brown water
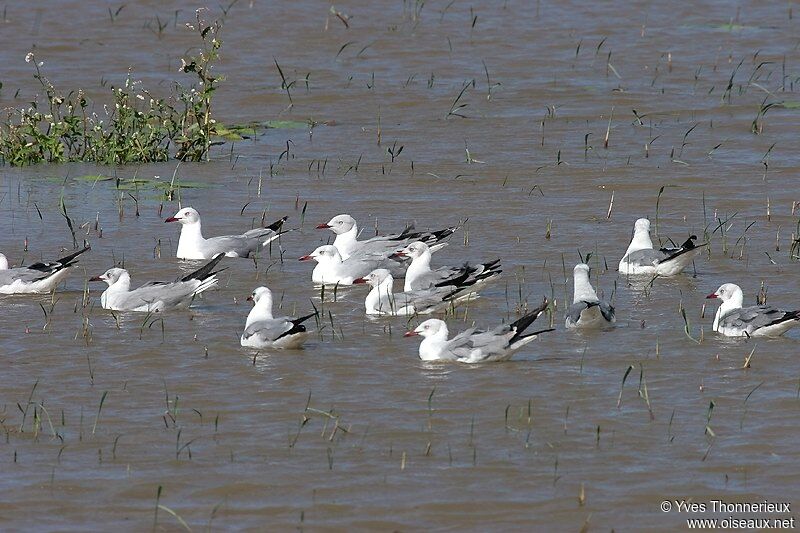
column 213, row 433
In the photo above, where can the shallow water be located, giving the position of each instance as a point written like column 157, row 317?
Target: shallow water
column 217, row 430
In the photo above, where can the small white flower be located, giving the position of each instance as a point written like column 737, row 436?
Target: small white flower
column 140, row 97
column 41, row 63
column 29, row 57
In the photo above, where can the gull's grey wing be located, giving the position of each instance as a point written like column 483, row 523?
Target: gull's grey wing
column 243, row 245
column 23, row 274
column 434, row 277
column 268, row 330
column 645, row 257
column 752, row 318
column 575, row 310
column 169, row 293
column 608, row 311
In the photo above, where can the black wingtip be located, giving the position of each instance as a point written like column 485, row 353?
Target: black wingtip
column 521, row 324
column 205, row 271
column 277, row 224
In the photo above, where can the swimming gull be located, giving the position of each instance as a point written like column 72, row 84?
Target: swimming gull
column 346, row 230
column 420, row 275
column 262, row 330
column 587, row 310
column 192, row 244
column 642, row 258
column 155, row 295
column 37, row 278
column 474, row 345
column 733, row 320
column 382, row 300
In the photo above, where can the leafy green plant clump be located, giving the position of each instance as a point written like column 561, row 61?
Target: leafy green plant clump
column 135, row 127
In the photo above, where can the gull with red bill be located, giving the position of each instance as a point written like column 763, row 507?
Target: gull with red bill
column 331, row 269
column 474, row 345
column 37, row 278
column 382, row 300
column 155, row 296
column 733, row 320
column 192, row 244
column 420, row 275
column 346, row 230
column 262, row 330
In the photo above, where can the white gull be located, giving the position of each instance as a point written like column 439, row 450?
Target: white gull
column 642, row 258
column 192, row 244
column 155, row 295
column 37, row 278
column 587, row 310
column 262, row 330
column 474, row 345
column 733, row 320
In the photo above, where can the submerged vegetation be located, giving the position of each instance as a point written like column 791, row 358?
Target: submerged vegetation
column 136, row 127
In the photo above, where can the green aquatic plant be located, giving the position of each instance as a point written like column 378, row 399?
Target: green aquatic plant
column 133, row 127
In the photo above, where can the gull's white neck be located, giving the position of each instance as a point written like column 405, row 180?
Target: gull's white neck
column 731, row 304
column 641, row 241
column 583, row 290
column 190, row 240
column 380, row 299
column 430, row 349
column 3, row 262
column 119, row 287
column 262, row 310
column 419, row 267
column 325, row 271
column 347, row 242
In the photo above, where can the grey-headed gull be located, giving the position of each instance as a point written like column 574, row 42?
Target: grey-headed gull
column 382, row 300
column 642, row 258
column 587, row 310
column 262, row 330
column 346, row 230
column 155, row 295
column 420, row 276
column 331, row 269
column 474, row 345
column 192, row 244
column 37, row 278
column 733, row 320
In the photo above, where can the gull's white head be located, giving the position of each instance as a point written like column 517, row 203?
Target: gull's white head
column 324, row 254
column 187, row 215
column 414, row 250
column 3, row 262
column 375, row 278
column 728, row 292
column 339, row 224
column 111, row 276
column 260, row 295
column 642, row 224
column 429, row 328
column 581, row 270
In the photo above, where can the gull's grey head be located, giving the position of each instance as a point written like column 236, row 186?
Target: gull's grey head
column 324, row 254
column 726, row 292
column 430, row 327
column 339, row 224
column 415, row 249
column 187, row 215
column 111, row 276
column 376, row 277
